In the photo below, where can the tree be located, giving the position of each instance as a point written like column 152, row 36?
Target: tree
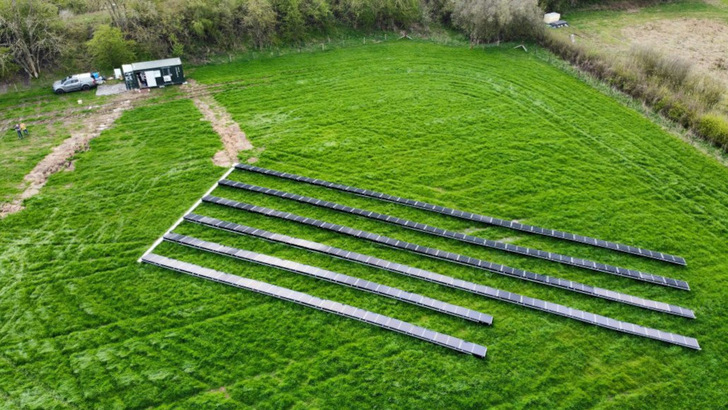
column 7, row 66
column 117, row 12
column 260, row 20
column 109, row 49
column 29, row 31
column 496, row 20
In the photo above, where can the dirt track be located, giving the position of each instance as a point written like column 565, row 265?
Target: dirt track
column 233, row 138
column 94, row 122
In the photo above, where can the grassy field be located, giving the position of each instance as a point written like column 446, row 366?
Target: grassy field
column 50, row 120
column 496, row 131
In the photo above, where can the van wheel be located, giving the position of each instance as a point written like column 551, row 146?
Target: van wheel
column 85, row 87
column 59, row 91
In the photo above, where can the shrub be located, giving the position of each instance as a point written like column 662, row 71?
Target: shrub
column 714, row 127
column 709, row 90
column 667, row 69
column 497, row 20
column 108, row 48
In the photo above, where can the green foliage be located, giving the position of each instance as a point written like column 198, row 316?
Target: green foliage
column 109, row 49
column 7, row 66
column 30, row 30
column 259, row 20
column 76, row 6
column 496, row 131
column 715, row 128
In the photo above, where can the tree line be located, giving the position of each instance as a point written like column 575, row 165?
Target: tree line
column 44, row 35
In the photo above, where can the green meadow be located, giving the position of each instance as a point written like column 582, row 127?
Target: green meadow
column 495, row 131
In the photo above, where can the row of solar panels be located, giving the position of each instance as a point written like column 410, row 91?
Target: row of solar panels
column 471, row 216
column 448, row 281
column 461, row 259
column 399, row 294
column 568, row 260
column 304, row 299
column 334, row 277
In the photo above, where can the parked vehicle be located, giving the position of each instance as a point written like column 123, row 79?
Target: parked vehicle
column 75, row 82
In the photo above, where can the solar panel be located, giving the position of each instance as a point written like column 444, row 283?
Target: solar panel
column 433, row 277
column 330, row 276
column 568, row 260
column 472, row 217
column 311, row 301
column 464, row 260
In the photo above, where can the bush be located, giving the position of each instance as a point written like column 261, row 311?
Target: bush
column 715, row 128
column 108, row 48
column 667, row 69
column 498, row 20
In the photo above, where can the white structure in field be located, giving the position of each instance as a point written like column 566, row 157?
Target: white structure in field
column 551, row 17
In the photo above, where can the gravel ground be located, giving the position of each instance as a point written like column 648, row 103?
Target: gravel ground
column 111, row 89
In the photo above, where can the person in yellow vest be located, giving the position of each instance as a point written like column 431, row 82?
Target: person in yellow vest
column 23, row 128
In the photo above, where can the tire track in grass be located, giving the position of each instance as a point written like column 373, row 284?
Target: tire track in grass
column 618, row 153
column 668, row 188
column 639, row 145
column 31, row 377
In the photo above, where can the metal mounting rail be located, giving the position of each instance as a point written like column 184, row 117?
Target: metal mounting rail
column 333, row 277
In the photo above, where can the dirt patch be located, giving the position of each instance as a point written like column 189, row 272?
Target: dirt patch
column 233, row 138
column 222, row 390
column 701, row 41
column 10, row 208
column 61, row 157
column 471, row 230
column 252, row 160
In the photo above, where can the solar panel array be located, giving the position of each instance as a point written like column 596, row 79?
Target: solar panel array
column 334, row 277
column 568, row 260
column 471, row 216
column 462, row 259
column 471, row 287
column 304, row 299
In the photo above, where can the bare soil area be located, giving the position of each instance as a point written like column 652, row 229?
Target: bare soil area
column 61, row 157
column 233, row 138
column 701, row 41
